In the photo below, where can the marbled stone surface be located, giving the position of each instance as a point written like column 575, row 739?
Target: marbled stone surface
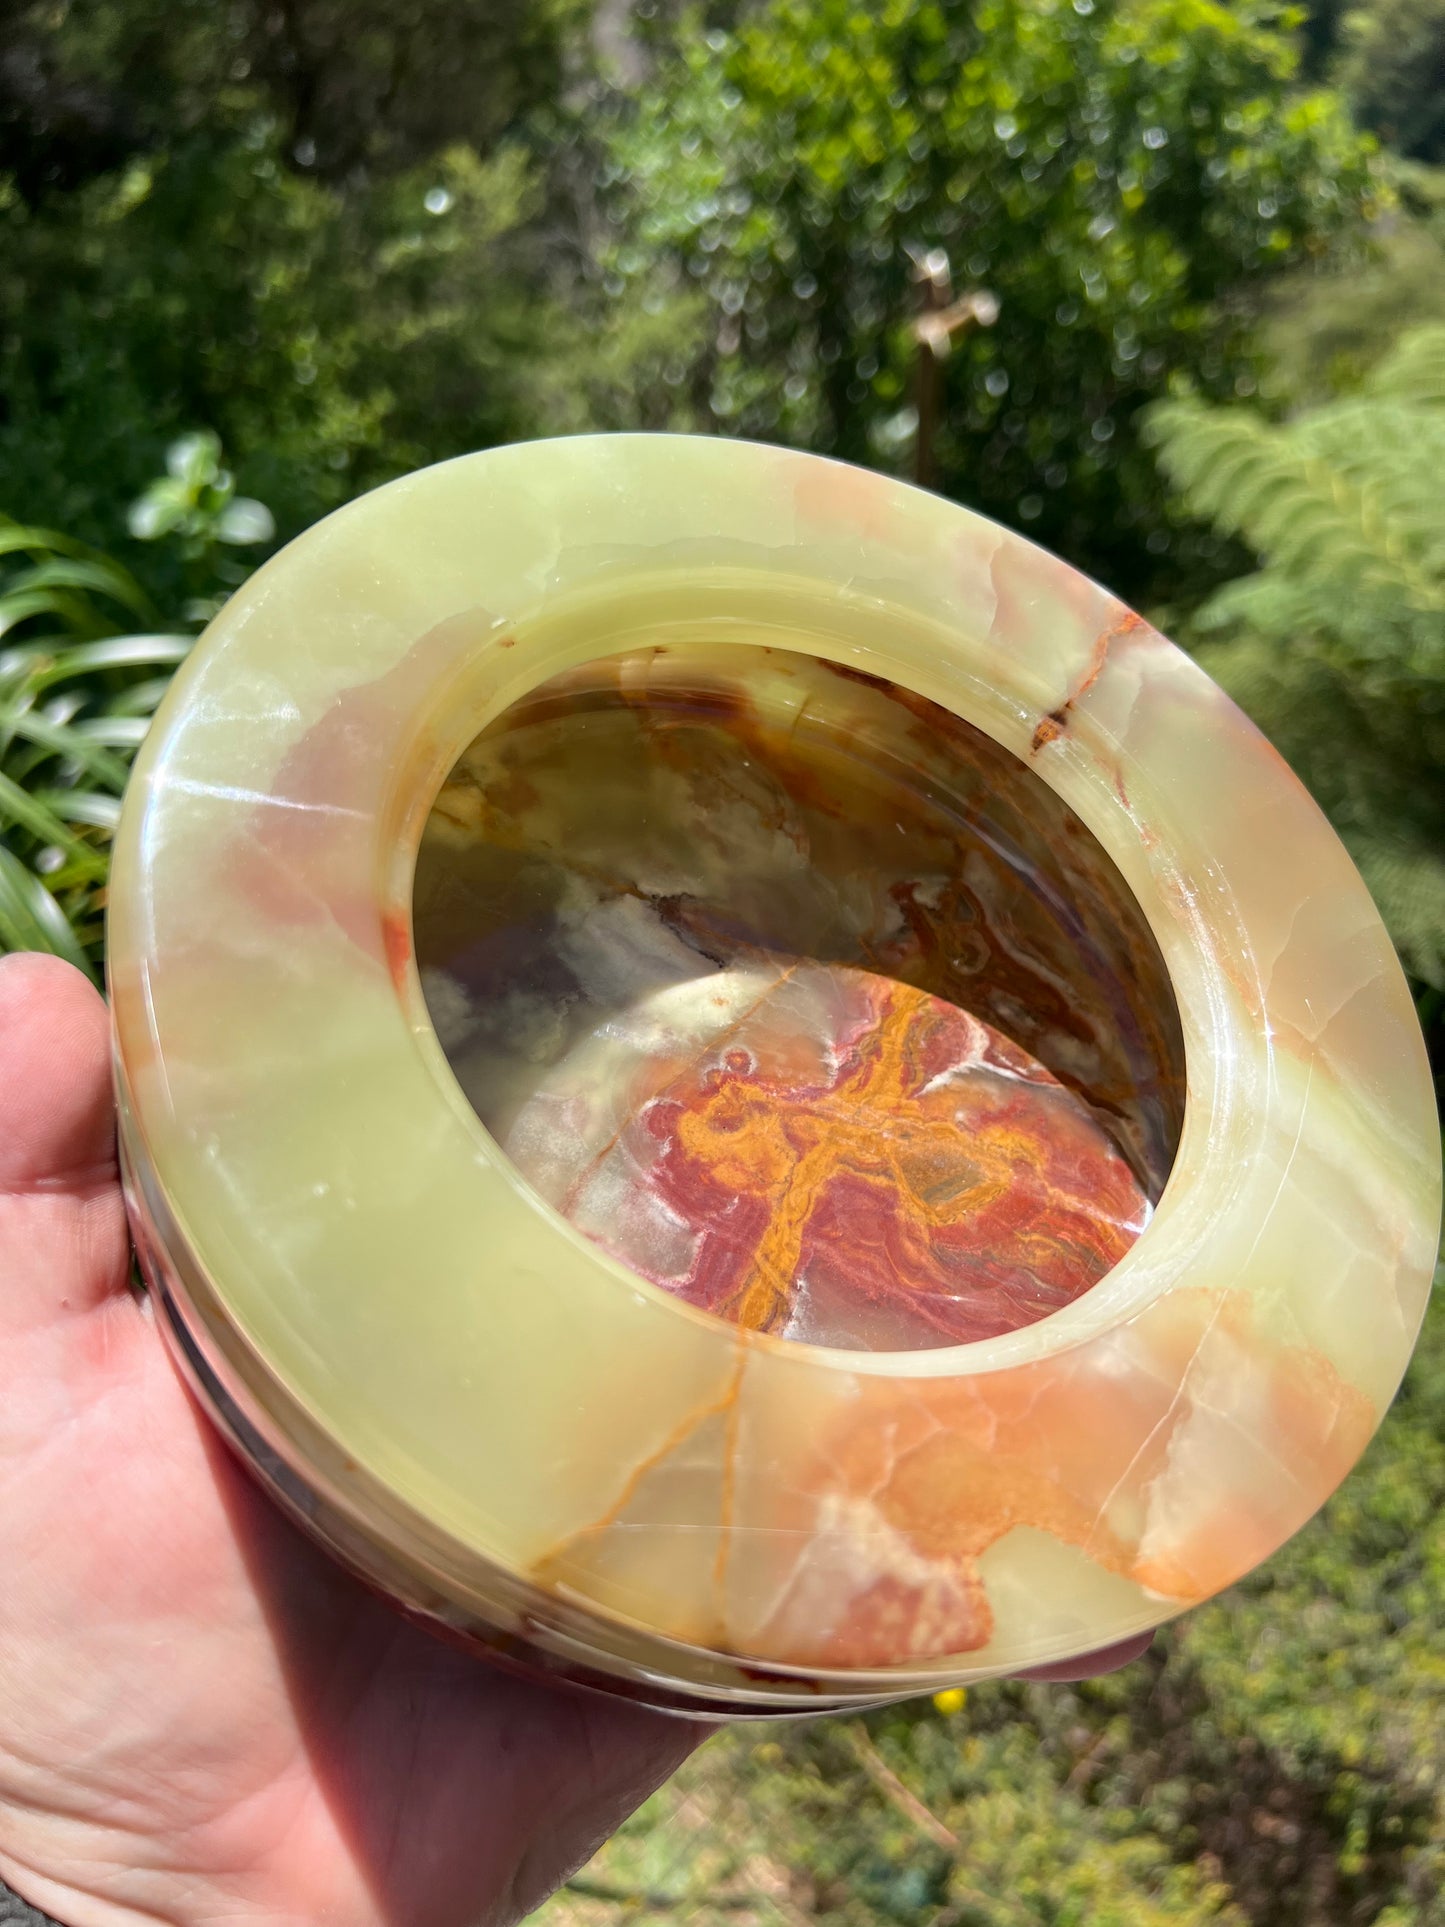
column 830, row 1156
column 581, row 1464
column 678, row 810
column 655, row 906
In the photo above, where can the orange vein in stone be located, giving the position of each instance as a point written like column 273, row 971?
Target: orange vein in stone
column 714, row 1043
column 775, row 1264
column 729, row 1480
column 676, row 1437
column 779, row 1254
column 796, row 1155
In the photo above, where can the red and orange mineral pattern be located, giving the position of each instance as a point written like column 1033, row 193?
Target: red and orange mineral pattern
column 805, row 1000
column 854, row 1162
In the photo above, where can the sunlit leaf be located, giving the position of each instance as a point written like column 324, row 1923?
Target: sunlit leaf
column 156, row 513
column 45, row 664
column 65, row 741
column 36, row 814
column 95, row 576
column 31, row 919
column 195, row 459
column 91, row 807
column 244, row 521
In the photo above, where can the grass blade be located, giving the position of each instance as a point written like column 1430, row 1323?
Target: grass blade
column 31, row 919
column 41, row 663
column 37, row 816
column 116, row 732
column 91, row 807
column 92, row 576
column 65, row 739
column 21, row 605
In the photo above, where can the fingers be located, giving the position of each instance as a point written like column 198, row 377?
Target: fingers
column 1089, row 1665
column 63, row 1244
column 57, row 1117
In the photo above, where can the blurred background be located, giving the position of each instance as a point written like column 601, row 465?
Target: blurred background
column 1160, row 283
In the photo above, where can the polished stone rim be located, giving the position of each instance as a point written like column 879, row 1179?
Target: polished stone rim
column 1302, row 1208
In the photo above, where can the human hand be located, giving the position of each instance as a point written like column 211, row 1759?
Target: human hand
column 202, row 1718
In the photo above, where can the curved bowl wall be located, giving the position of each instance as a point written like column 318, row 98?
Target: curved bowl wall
column 483, row 1411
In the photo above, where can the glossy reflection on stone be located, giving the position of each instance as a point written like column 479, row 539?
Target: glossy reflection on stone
column 831, row 1156
column 473, row 1403
column 738, row 958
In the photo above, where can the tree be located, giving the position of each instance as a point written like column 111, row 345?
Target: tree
column 1325, row 326
column 334, row 338
column 354, row 86
column 1388, row 57
column 1392, row 69
column 1118, row 172
column 309, row 226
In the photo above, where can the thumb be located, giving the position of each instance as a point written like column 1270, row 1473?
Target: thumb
column 62, row 1223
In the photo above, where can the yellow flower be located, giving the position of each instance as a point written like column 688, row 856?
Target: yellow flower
column 950, row 1701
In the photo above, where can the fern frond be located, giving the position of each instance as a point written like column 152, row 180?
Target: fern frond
column 1303, row 514
column 1336, row 645
column 1407, row 881
column 1294, row 696
column 1268, row 604
column 1385, row 644
column 1413, row 373
column 1372, row 750
column 1394, row 454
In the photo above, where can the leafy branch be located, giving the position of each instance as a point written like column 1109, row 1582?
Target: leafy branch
column 84, row 660
column 1336, row 644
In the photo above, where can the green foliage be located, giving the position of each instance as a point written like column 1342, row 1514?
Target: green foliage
column 333, row 339
column 1388, row 59
column 356, row 236
column 195, row 505
column 196, row 498
column 76, row 696
column 1392, row 70
column 1328, row 323
column 314, row 227
column 1116, row 172
column 1336, row 645
column 355, row 86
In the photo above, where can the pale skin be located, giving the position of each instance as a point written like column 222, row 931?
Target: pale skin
column 203, row 1721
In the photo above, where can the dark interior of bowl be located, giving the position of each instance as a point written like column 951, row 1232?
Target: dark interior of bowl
column 801, row 997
